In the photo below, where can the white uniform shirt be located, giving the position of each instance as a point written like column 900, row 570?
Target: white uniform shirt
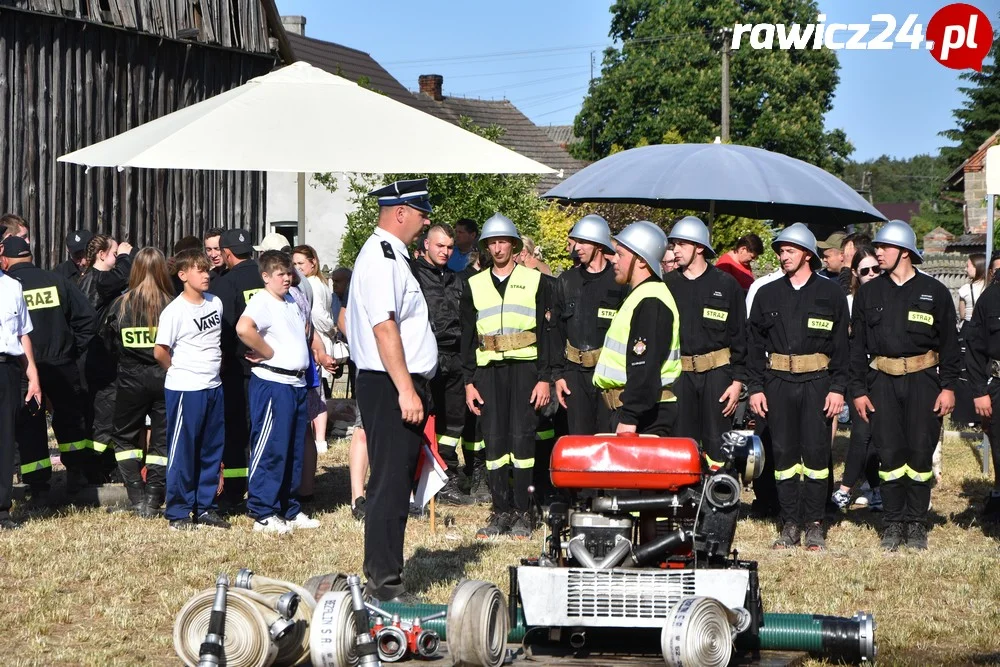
column 282, row 326
column 192, row 332
column 14, row 319
column 383, row 287
column 760, row 282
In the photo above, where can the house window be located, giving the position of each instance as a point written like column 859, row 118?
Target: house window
column 289, row 229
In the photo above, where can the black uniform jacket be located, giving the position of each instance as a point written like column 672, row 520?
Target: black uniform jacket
column 811, row 319
column 982, row 340
column 234, row 289
column 127, row 334
column 585, row 303
column 647, row 348
column 712, row 310
column 443, row 289
column 64, row 321
column 907, row 320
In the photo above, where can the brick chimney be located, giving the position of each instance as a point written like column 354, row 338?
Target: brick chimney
column 295, row 24
column 430, row 85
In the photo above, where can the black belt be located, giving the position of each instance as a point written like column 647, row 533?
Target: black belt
column 9, row 358
column 282, row 371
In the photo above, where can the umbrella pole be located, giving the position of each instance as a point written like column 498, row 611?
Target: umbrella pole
column 301, row 186
column 990, row 206
column 711, row 216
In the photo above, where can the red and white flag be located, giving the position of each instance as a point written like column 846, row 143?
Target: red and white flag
column 431, row 475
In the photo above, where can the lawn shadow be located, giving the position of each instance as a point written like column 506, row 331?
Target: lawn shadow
column 427, row 567
column 332, row 489
column 975, row 492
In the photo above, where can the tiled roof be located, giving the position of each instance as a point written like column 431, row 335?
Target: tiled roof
column 520, row 134
column 967, row 242
column 899, row 210
column 561, row 134
column 976, row 161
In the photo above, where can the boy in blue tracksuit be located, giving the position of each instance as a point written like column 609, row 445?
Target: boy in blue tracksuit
column 187, row 346
column 273, row 327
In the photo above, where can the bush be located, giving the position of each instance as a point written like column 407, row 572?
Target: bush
column 554, row 224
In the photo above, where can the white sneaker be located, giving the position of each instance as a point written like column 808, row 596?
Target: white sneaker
column 322, row 446
column 272, row 524
column 302, row 521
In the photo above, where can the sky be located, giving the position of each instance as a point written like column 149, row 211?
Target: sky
column 538, row 55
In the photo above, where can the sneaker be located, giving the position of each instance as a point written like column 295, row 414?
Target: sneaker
column 521, row 526
column 184, row 524
column 498, row 524
column 322, row 446
column 790, row 536
column 272, row 524
column 450, row 494
column 814, row 537
column 358, row 508
column 916, row 535
column 892, row 536
column 302, row 521
column 842, row 499
column 875, row 502
column 864, row 495
column 212, row 520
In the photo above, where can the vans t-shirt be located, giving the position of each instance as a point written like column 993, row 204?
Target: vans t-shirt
column 192, row 332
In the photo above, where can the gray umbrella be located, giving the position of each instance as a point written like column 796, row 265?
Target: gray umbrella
column 720, row 179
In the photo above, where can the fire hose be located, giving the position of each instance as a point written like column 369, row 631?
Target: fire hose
column 700, row 631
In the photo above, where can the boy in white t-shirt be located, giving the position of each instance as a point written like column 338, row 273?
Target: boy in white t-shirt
column 273, row 328
column 187, row 346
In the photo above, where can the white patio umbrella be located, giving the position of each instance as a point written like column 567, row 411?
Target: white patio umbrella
column 303, row 119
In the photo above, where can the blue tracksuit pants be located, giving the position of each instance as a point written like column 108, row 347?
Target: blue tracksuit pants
column 196, row 435
column 277, row 441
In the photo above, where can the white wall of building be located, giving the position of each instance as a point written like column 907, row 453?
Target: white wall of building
column 326, row 213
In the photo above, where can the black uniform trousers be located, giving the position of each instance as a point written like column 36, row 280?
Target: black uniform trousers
column 473, row 444
column 800, row 433
column 11, row 400
column 660, row 421
column 905, row 431
column 103, row 389
column 765, row 491
column 510, row 424
column 393, row 451
column 586, row 413
column 141, row 393
column 448, row 395
column 235, row 386
column 702, row 419
column 861, row 459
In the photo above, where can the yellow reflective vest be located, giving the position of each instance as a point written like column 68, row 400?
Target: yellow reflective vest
column 512, row 313
column 610, row 372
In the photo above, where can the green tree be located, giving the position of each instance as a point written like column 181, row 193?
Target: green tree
column 979, row 116
column 665, row 80
column 475, row 196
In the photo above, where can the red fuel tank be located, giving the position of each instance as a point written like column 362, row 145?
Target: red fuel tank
column 625, row 462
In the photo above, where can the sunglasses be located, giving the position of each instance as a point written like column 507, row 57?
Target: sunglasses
column 865, row 270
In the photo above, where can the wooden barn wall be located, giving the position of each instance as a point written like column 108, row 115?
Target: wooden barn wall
column 66, row 84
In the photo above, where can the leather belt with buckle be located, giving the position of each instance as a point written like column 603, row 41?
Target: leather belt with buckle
column 585, row 358
column 702, row 363
column 613, row 397
column 905, row 365
column 799, row 363
column 506, row 342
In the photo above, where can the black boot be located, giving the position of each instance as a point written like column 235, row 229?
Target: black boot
column 451, row 494
column 135, row 491
column 480, row 488
column 152, row 501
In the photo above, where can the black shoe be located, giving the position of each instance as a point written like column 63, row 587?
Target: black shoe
column 358, row 510
column 229, row 507
column 212, row 520
column 498, row 524
column 40, row 496
column 7, row 523
column 76, row 481
column 892, row 536
column 450, row 494
column 416, row 511
column 136, row 496
column 183, row 524
column 152, row 501
column 790, row 536
column 814, row 537
column 916, row 535
column 480, row 488
column 522, row 526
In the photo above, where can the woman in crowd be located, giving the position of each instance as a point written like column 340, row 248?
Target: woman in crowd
column 861, row 460
column 305, row 260
column 129, row 330
column 969, row 293
column 104, row 277
column 531, row 257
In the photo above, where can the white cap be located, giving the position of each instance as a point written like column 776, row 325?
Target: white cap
column 273, row 241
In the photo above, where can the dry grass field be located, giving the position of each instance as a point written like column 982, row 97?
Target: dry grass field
column 84, row 587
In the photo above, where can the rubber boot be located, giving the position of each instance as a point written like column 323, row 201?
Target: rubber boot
column 451, row 494
column 152, row 501
column 135, row 493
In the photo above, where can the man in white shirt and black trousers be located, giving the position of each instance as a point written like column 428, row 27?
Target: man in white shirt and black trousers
column 396, row 354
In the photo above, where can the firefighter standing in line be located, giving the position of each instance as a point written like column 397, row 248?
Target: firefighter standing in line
column 641, row 357
column 797, row 364
column 507, row 372
column 64, row 322
column 982, row 359
column 443, row 288
column 589, row 297
column 905, row 363
column 234, row 289
column 713, row 340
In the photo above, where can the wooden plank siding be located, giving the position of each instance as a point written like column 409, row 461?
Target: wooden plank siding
column 66, row 83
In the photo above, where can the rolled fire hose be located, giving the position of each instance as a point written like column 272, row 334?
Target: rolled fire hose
column 848, row 639
column 293, row 646
column 698, row 631
column 247, row 641
column 478, row 624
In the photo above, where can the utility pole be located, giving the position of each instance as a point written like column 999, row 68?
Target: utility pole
column 725, row 86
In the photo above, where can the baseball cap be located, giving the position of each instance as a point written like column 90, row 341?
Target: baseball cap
column 832, row 241
column 237, row 240
column 15, row 247
column 76, row 241
column 273, row 241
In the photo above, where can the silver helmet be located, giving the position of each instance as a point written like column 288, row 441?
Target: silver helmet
column 800, row 236
column 898, row 233
column 499, row 225
column 694, row 230
column 647, row 241
column 593, row 228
